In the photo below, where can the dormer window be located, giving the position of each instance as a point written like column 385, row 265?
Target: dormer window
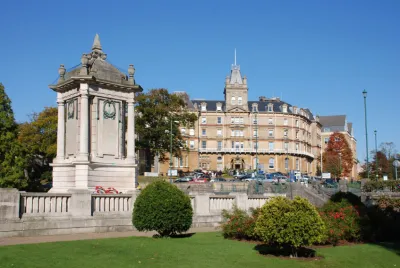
column 284, row 108
column 255, row 108
column 295, row 110
column 239, row 100
column 219, row 107
column 233, row 100
column 204, row 107
column 270, row 107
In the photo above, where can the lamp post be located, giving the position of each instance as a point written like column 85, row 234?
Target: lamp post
column 255, row 114
column 340, row 165
column 376, row 156
column 366, row 129
column 170, row 151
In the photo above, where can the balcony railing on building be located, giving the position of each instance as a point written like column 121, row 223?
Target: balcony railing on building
column 253, row 150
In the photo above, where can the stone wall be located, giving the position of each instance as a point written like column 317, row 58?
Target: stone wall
column 79, row 211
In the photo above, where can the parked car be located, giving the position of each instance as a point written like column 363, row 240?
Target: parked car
column 184, row 179
column 242, row 176
column 218, row 180
column 329, row 183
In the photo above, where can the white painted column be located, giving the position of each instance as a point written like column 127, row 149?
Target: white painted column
column 84, row 123
column 60, row 128
column 131, row 130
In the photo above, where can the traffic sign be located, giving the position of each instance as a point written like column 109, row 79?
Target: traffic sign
column 396, row 163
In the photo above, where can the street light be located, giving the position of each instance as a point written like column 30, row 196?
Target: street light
column 376, row 156
column 366, row 129
column 255, row 114
column 170, row 152
column 340, row 165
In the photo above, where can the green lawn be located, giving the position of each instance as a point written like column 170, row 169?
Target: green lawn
column 200, row 250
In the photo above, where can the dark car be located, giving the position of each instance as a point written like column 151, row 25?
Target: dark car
column 184, row 179
column 242, row 176
column 329, row 183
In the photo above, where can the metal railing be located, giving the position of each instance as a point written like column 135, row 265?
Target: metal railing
column 253, row 150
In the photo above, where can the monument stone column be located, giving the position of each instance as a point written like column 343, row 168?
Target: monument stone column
column 60, row 129
column 84, row 123
column 131, row 131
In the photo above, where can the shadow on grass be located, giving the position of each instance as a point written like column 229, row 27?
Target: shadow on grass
column 175, row 235
column 264, row 249
column 392, row 246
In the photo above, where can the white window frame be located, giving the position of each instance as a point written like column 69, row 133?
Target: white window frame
column 219, row 120
column 204, row 120
column 240, row 101
column 191, row 144
column 285, row 121
column 219, row 132
column 233, row 101
column 271, row 163
column 191, row 132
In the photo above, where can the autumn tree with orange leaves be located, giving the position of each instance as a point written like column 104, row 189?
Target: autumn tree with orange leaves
column 338, row 158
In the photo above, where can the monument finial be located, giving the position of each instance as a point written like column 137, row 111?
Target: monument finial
column 96, row 43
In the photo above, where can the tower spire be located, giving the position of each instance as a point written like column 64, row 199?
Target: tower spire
column 96, row 43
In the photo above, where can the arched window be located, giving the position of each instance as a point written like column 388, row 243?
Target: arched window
column 233, row 100
column 239, row 100
column 271, row 163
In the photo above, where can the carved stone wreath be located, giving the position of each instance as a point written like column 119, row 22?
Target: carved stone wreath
column 109, row 110
column 71, row 109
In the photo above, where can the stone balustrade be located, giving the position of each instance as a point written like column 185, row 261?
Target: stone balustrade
column 105, row 203
column 29, row 214
column 44, row 204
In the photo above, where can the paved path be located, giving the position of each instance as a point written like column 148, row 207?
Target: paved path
column 7, row 241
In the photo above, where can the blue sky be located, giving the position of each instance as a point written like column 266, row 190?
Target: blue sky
column 314, row 54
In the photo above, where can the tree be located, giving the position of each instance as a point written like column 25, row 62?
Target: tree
column 162, row 207
column 338, row 158
column 293, row 223
column 11, row 162
column 39, row 137
column 384, row 167
column 389, row 149
column 155, row 111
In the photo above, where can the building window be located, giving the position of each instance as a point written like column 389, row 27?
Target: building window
column 286, row 163
column 219, row 146
column 180, row 161
column 204, row 120
column 297, row 134
column 295, row 110
column 297, row 164
column 219, row 158
column 297, row 123
column 271, row 146
column 219, row 132
column 203, row 108
column 183, row 131
column 271, row 163
column 284, row 108
column 326, row 140
column 270, row 121
column 204, row 144
column 286, row 145
column 240, row 101
column 241, row 120
column 270, row 133
column 203, row 132
column 297, row 146
column 285, row 122
column 255, row 132
column 233, row 101
column 191, row 144
column 285, row 133
column 255, row 121
column 219, row 108
column 255, row 108
column 270, row 107
column 219, row 120
column 191, row 132
column 255, row 145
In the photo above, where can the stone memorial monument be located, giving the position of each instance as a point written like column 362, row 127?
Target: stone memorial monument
column 96, row 125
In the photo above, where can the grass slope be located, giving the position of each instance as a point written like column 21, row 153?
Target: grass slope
column 200, row 250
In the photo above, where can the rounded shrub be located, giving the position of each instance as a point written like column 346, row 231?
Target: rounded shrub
column 162, row 207
column 295, row 223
